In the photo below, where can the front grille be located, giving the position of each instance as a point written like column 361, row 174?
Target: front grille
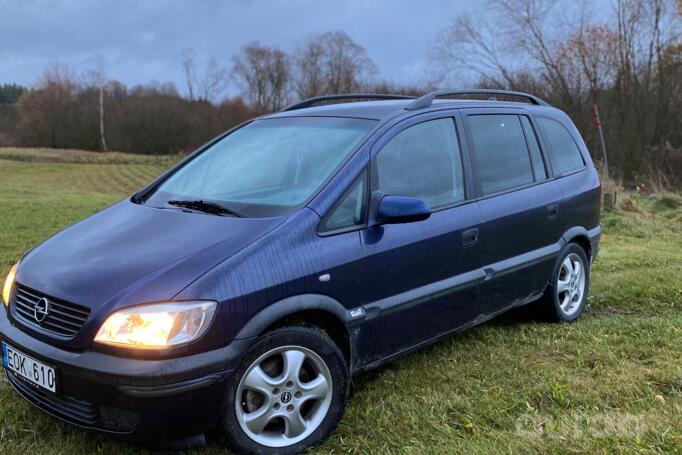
column 70, row 409
column 63, row 318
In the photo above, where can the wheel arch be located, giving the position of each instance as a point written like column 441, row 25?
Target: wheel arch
column 318, row 310
column 580, row 236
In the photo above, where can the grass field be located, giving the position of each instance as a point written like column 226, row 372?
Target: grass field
column 610, row 383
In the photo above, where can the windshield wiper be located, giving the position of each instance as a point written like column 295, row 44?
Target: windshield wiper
column 205, row 206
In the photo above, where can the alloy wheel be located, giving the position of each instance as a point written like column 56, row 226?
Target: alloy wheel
column 283, row 396
column 571, row 284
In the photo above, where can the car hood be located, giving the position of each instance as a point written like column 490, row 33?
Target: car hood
column 130, row 254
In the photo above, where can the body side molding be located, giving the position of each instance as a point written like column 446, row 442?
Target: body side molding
column 407, row 299
column 430, row 291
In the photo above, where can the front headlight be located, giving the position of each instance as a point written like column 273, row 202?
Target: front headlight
column 9, row 284
column 157, row 326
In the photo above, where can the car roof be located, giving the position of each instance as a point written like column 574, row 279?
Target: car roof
column 384, row 109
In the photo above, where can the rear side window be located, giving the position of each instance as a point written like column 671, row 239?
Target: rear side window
column 501, row 154
column 535, row 154
column 563, row 151
column 423, row 161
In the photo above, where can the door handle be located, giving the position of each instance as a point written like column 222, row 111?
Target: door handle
column 552, row 211
column 470, row 237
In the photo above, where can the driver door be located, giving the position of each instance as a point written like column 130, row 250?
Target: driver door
column 420, row 277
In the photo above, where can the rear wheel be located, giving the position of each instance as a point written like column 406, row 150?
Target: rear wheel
column 289, row 393
column 566, row 296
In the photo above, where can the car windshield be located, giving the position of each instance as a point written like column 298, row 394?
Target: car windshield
column 267, row 168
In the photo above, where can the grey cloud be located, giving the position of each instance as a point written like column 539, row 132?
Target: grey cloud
column 140, row 40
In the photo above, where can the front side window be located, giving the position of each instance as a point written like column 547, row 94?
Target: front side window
column 267, row 168
column 563, row 151
column 350, row 209
column 423, row 161
column 500, row 152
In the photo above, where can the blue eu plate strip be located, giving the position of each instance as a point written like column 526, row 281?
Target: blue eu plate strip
column 4, row 355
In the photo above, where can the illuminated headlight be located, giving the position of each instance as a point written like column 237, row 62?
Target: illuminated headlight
column 9, row 284
column 157, row 326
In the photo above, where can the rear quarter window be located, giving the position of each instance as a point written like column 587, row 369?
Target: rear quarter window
column 564, row 153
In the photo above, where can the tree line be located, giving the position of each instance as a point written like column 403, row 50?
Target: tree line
column 624, row 60
column 66, row 109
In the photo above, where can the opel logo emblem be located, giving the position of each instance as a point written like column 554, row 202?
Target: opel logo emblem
column 286, row 397
column 41, row 309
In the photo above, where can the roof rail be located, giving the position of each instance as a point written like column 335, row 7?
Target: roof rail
column 346, row 96
column 427, row 100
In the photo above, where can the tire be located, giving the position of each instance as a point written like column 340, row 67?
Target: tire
column 287, row 413
column 566, row 296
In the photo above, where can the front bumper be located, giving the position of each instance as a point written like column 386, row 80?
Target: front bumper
column 132, row 398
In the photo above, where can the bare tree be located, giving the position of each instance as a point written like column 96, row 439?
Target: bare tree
column 348, row 65
column 576, row 58
column 96, row 78
column 588, row 58
column 331, row 63
column 189, row 70
column 309, row 78
column 516, row 36
column 214, row 81
column 472, row 45
column 47, row 109
column 203, row 84
column 264, row 74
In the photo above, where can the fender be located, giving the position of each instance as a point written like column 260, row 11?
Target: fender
column 575, row 231
column 298, row 303
column 593, row 236
column 291, row 305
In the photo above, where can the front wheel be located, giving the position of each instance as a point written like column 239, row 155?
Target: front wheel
column 566, row 296
column 288, row 394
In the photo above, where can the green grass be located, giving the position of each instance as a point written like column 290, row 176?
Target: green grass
column 610, row 383
column 80, row 156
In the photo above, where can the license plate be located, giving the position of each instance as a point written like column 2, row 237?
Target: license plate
column 28, row 368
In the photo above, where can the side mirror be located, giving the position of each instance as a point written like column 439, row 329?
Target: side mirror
column 399, row 209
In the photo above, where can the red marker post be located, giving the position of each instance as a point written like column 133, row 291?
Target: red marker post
column 597, row 124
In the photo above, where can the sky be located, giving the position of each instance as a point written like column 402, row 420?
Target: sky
column 140, row 41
